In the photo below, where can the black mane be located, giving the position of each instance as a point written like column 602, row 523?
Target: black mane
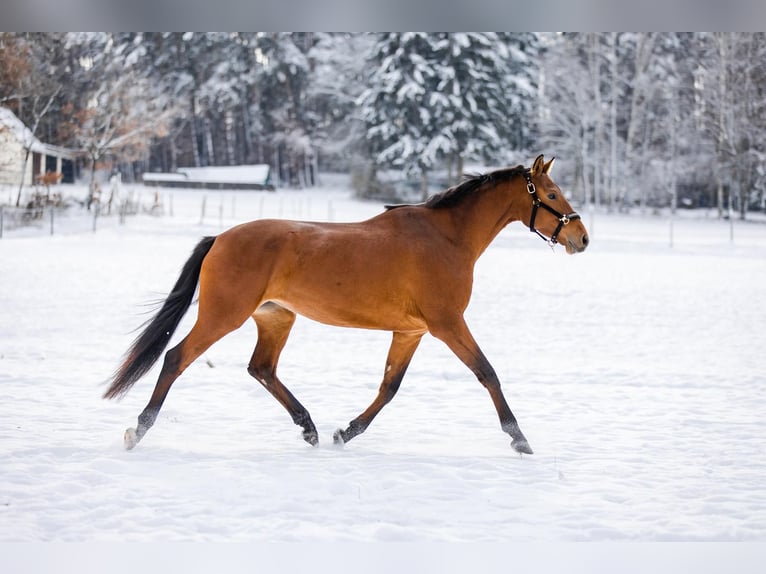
column 456, row 194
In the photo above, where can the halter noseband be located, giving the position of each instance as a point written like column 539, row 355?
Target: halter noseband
column 537, row 203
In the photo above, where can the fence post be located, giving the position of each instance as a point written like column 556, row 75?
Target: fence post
column 96, row 211
column 53, row 211
column 202, row 216
column 2, row 212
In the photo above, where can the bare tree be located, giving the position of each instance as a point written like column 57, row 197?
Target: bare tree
column 41, row 105
column 28, row 79
column 120, row 119
column 570, row 109
column 636, row 139
column 731, row 94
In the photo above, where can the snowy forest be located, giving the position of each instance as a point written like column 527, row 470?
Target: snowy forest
column 636, row 120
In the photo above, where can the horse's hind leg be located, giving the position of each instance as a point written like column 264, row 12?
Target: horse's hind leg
column 177, row 359
column 274, row 324
column 402, row 348
column 220, row 312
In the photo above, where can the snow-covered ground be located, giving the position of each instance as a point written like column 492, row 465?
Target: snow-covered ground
column 635, row 370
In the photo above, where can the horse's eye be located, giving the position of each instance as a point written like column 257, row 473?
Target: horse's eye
column 551, row 196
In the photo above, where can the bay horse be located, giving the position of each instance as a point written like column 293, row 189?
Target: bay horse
column 408, row 270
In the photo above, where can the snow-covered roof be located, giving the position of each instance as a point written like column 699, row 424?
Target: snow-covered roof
column 242, row 174
column 17, row 128
column 152, row 176
column 258, row 173
column 245, row 176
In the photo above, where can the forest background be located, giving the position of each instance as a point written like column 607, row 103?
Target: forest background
column 637, row 120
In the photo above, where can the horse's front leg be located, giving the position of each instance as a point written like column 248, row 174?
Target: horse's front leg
column 460, row 341
column 400, row 353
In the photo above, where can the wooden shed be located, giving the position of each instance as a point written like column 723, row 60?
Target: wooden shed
column 15, row 139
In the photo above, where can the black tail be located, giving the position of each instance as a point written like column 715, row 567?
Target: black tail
column 150, row 344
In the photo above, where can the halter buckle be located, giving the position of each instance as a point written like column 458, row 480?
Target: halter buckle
column 531, row 188
column 564, row 219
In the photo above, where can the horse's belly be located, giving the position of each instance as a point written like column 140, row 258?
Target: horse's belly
column 354, row 309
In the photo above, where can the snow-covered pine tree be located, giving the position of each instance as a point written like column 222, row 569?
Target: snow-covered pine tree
column 397, row 106
column 486, row 98
column 178, row 63
column 522, row 90
column 224, row 94
column 282, row 80
column 336, row 81
column 446, row 97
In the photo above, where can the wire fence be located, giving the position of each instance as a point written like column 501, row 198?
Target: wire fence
column 52, row 219
column 72, row 211
column 186, row 207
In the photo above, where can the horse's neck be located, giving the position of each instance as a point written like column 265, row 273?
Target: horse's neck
column 478, row 221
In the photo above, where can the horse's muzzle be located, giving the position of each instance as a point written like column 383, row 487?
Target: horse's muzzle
column 577, row 245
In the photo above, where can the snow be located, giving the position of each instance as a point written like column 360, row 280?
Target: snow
column 635, row 371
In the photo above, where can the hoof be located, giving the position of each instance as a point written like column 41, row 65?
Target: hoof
column 311, row 437
column 522, row 447
column 130, row 439
column 337, row 438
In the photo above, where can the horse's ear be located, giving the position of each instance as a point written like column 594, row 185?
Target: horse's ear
column 547, row 167
column 539, row 166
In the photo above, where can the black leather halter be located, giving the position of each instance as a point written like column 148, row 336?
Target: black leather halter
column 537, row 203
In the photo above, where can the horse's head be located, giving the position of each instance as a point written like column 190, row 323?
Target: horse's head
column 550, row 215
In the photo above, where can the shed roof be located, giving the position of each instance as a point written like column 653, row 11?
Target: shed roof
column 27, row 139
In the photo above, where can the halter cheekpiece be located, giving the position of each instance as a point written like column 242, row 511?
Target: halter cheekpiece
column 537, row 203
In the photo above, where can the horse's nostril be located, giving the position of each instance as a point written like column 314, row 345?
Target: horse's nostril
column 585, row 241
